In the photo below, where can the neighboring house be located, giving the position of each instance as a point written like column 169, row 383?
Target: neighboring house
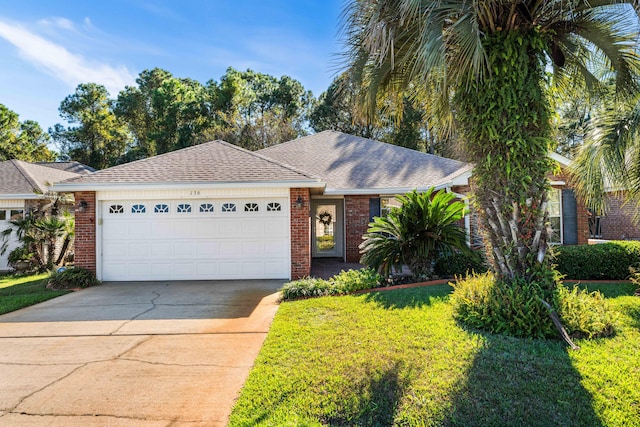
column 217, row 211
column 23, row 188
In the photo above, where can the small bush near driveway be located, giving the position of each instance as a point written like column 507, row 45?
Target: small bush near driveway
column 344, row 283
column 72, row 278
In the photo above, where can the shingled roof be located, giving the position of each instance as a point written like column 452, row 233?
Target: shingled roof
column 351, row 164
column 72, row 166
column 211, row 162
column 25, row 180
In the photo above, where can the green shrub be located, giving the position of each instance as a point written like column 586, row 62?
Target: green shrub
column 584, row 314
column 460, row 264
column 413, row 235
column 607, row 261
column 307, row 287
column 346, row 282
column 355, row 280
column 72, row 278
column 480, row 301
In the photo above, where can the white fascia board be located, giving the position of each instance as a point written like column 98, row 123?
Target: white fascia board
column 462, row 179
column 379, row 191
column 30, row 196
column 71, row 187
column 560, row 158
column 557, row 183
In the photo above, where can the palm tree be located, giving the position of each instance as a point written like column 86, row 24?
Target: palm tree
column 424, row 227
column 610, row 155
column 488, row 63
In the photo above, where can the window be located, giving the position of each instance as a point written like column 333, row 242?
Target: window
column 116, row 209
column 228, row 207
column 251, row 207
column 206, row 207
column 3, row 215
column 388, row 203
column 161, row 208
column 554, row 210
column 184, row 208
column 595, row 225
column 16, row 214
column 274, row 207
column 138, row 209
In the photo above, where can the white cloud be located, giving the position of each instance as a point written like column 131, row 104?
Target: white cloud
column 57, row 61
column 63, row 23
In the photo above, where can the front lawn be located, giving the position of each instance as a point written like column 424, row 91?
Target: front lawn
column 399, row 358
column 22, row 291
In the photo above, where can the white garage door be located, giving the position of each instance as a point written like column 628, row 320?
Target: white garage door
column 195, row 239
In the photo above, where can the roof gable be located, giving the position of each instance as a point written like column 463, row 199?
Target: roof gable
column 353, row 164
column 23, row 179
column 210, row 162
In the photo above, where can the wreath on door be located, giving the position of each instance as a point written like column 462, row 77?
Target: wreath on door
column 325, row 218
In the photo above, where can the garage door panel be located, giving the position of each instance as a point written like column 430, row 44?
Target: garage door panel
column 162, row 249
column 195, row 245
column 229, row 228
column 161, row 229
column 207, row 249
column 252, row 248
column 184, row 250
column 230, row 269
column 185, row 270
column 277, row 227
column 160, row 271
column 277, row 248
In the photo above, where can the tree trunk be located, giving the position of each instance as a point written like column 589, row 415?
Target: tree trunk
column 505, row 124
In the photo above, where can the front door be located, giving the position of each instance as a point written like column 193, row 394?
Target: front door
column 327, row 228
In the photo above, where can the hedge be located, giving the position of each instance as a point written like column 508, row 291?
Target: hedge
column 606, row 261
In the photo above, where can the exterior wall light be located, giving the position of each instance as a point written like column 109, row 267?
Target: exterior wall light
column 82, row 206
column 299, row 202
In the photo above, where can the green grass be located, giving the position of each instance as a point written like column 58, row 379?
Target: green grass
column 17, row 292
column 399, row 358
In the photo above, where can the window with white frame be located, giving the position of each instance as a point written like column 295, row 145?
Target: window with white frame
column 388, row 203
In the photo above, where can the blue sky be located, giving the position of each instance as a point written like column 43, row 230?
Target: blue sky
column 49, row 47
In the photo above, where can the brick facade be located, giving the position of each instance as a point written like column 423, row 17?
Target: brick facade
column 356, row 218
column 617, row 223
column 300, row 233
column 85, row 238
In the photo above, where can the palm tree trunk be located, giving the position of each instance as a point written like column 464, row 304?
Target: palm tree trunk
column 509, row 141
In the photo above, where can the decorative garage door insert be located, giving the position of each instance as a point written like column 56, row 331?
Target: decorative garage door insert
column 195, row 239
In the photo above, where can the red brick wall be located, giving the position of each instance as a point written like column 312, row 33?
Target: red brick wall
column 85, row 238
column 356, row 219
column 617, row 223
column 300, row 234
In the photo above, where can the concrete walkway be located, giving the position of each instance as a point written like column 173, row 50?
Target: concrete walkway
column 133, row 354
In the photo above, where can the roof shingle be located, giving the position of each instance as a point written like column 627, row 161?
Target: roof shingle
column 20, row 178
column 347, row 162
column 211, row 162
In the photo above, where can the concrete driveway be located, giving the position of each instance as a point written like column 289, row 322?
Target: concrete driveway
column 125, row 354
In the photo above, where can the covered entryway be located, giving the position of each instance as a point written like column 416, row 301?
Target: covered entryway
column 327, row 228
column 195, row 239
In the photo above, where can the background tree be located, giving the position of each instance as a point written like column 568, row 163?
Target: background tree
column 22, row 140
column 489, row 60
column 99, row 139
column 259, row 110
column 164, row 113
column 408, row 126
